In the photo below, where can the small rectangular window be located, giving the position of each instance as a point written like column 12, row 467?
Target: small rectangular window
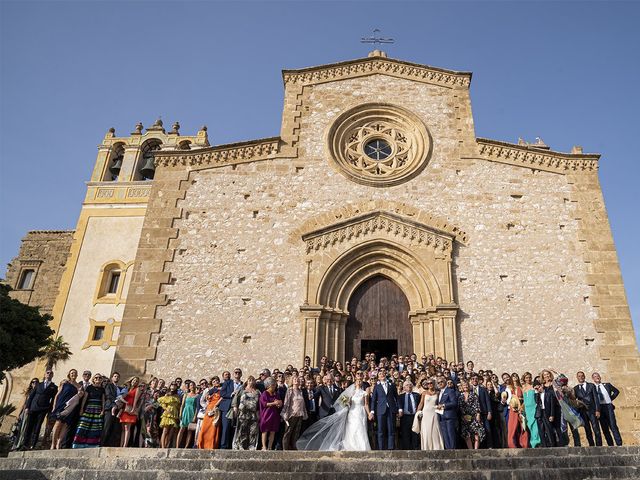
column 113, row 282
column 26, row 279
column 98, row 333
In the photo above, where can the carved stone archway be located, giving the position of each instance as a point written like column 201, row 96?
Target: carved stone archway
column 416, row 256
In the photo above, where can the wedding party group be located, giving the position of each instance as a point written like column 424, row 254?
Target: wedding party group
column 399, row 402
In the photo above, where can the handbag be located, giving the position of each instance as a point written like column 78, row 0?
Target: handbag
column 192, row 427
column 70, row 406
column 415, row 427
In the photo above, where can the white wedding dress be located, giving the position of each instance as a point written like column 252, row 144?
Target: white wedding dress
column 344, row 430
column 355, row 433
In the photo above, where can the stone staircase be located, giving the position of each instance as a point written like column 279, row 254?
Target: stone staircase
column 178, row 464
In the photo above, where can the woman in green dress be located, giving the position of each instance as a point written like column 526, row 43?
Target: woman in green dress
column 187, row 416
column 530, row 409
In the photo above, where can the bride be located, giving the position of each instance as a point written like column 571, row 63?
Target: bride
column 344, row 430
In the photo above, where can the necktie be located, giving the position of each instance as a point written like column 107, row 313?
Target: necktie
column 600, row 394
column 412, row 406
column 584, row 387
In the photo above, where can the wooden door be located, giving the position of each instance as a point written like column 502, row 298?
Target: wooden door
column 378, row 310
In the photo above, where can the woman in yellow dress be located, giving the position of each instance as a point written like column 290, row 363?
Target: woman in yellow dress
column 169, row 421
column 209, row 436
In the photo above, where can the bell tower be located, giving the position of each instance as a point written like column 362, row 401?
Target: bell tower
column 94, row 287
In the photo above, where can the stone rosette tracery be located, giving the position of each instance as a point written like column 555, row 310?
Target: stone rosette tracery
column 407, row 138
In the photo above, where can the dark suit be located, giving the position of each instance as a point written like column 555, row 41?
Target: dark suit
column 550, row 433
column 226, row 393
column 485, row 408
column 326, row 400
column 586, row 393
column 409, row 440
column 110, row 393
column 385, row 406
column 449, row 419
column 607, row 414
column 311, row 404
column 39, row 404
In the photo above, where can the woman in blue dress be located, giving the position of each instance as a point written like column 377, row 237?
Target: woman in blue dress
column 64, row 409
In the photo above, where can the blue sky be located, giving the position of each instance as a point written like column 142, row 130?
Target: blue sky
column 564, row 71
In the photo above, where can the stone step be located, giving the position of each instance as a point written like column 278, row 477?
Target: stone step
column 348, row 465
column 107, row 452
column 181, row 464
column 609, row 473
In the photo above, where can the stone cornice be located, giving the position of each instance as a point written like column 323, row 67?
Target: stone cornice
column 383, row 222
column 376, row 65
column 221, row 155
column 532, row 157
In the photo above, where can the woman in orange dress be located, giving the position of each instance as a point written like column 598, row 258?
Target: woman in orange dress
column 209, row 436
column 129, row 415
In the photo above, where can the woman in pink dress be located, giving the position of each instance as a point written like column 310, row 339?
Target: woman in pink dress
column 270, row 406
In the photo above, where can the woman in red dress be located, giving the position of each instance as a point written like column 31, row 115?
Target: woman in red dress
column 129, row 415
column 517, row 435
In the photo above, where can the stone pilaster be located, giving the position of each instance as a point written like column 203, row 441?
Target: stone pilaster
column 617, row 342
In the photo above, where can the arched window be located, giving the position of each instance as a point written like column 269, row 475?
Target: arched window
column 184, row 145
column 114, row 163
column 111, row 281
column 145, row 169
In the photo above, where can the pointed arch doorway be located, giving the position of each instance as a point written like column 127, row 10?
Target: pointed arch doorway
column 378, row 320
column 345, row 250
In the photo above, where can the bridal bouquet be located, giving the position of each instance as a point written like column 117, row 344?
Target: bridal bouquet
column 344, row 400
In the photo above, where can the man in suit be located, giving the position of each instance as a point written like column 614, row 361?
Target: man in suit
column 327, row 395
column 606, row 394
column 264, row 374
column 226, row 394
column 408, row 402
column 310, row 395
column 448, row 401
column 111, row 392
column 384, row 401
column 38, row 406
column 550, row 414
column 586, row 393
column 485, row 407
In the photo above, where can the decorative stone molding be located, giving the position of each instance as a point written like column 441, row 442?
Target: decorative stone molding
column 530, row 157
column 378, row 222
column 409, row 215
column 118, row 192
column 378, row 144
column 377, row 65
column 221, row 155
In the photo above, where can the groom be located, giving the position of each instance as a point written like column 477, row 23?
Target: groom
column 384, row 401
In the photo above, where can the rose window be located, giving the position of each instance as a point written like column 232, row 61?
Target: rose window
column 379, row 145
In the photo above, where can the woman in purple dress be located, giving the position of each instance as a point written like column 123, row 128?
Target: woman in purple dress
column 270, row 406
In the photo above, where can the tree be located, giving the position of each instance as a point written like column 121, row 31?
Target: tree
column 56, row 350
column 23, row 332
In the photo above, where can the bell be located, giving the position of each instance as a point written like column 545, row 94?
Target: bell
column 117, row 165
column 148, row 168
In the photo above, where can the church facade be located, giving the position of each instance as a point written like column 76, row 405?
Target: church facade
column 375, row 221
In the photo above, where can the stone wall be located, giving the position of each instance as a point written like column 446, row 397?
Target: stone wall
column 46, row 252
column 239, row 277
column 222, row 270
